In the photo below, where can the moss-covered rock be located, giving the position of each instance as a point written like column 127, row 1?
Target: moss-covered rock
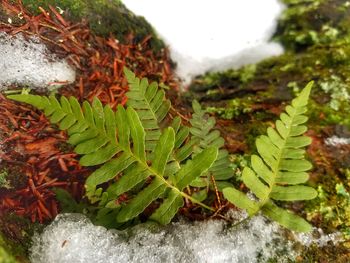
column 277, row 79
column 308, row 22
column 105, row 17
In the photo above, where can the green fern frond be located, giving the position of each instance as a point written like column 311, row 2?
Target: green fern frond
column 279, row 169
column 204, row 135
column 92, row 128
column 118, row 141
column 149, row 101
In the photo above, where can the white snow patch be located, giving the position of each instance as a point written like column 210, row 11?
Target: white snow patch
column 213, row 35
column 30, row 63
column 318, row 237
column 73, row 238
column 335, row 141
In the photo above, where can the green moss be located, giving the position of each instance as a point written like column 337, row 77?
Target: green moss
column 333, row 204
column 4, row 182
column 12, row 176
column 105, row 17
column 5, row 257
column 306, row 23
column 276, row 79
column 233, row 109
column 15, row 236
column 328, row 253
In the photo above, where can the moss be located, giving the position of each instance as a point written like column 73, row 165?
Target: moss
column 276, row 79
column 332, row 205
column 105, row 17
column 4, row 182
column 15, row 236
column 306, row 23
column 233, row 109
column 328, row 253
column 12, row 176
column 5, row 257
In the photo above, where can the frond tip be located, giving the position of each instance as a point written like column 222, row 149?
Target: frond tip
column 279, row 168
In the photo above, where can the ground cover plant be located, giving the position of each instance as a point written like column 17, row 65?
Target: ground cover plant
column 150, row 163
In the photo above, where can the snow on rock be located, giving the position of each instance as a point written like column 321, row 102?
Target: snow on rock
column 73, row 238
column 29, row 63
column 318, row 237
column 213, row 35
column 335, row 140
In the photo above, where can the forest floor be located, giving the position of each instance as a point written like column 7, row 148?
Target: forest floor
column 36, row 158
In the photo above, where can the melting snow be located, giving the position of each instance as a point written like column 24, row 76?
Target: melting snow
column 212, row 35
column 28, row 62
column 73, row 238
column 335, row 140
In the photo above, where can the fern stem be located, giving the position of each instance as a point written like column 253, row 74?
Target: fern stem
column 193, row 200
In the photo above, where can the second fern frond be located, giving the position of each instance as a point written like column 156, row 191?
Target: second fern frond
column 279, row 168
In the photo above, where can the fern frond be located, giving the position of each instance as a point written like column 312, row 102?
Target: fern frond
column 92, row 128
column 280, row 167
column 204, row 135
column 149, row 101
column 118, row 141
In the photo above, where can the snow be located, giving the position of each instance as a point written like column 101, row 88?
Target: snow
column 212, row 35
column 73, row 238
column 29, row 63
column 318, row 237
column 335, row 141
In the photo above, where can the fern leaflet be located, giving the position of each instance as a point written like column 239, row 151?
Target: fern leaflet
column 279, row 169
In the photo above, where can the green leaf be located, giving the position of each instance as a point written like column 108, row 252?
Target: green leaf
column 107, row 172
column 253, row 183
column 141, row 201
column 35, row 100
column 285, row 218
column 293, row 193
column 168, row 208
column 133, row 175
column 292, row 178
column 195, row 167
column 240, row 200
column 137, row 134
column 261, row 169
column 201, row 195
column 100, row 156
column 163, row 150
